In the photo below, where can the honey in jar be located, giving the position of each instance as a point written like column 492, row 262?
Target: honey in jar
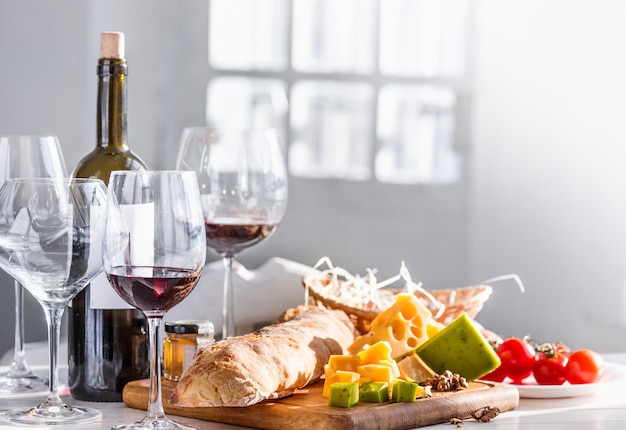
column 180, row 345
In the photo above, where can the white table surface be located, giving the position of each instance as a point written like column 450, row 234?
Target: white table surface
column 606, row 410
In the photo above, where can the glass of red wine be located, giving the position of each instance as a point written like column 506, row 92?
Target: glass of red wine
column 243, row 186
column 51, row 235
column 154, row 252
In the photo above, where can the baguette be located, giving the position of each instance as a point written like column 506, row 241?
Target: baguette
column 268, row 364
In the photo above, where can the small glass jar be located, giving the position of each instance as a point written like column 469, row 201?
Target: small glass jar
column 180, row 345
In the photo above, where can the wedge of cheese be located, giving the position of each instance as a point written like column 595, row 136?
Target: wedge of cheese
column 459, row 348
column 413, row 368
column 405, row 325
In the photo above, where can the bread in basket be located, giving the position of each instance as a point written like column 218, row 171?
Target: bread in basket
column 362, row 298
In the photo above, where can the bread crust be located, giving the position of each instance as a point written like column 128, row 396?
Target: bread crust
column 267, row 364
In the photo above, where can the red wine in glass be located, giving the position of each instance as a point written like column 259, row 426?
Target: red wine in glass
column 153, row 288
column 231, row 238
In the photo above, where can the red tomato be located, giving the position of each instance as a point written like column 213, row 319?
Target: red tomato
column 518, row 358
column 584, row 366
column 496, row 375
column 562, row 349
column 550, row 370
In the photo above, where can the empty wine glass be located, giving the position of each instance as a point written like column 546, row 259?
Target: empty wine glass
column 26, row 157
column 51, row 242
column 154, row 252
column 243, row 187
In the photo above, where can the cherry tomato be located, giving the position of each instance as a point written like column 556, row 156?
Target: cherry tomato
column 562, row 349
column 550, row 369
column 584, row 366
column 496, row 375
column 518, row 358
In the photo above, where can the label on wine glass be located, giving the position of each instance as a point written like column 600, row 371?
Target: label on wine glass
column 140, row 251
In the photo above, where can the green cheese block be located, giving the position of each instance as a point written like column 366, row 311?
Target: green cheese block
column 344, row 394
column 375, row 392
column 404, row 391
column 459, row 348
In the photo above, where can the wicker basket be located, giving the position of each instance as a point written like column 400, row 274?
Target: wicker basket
column 455, row 301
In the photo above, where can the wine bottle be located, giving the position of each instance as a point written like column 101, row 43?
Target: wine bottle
column 106, row 338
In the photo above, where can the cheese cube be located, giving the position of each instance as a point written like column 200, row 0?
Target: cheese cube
column 344, row 362
column 372, row 354
column 344, row 394
column 375, row 373
column 379, row 353
column 375, row 392
column 338, row 376
column 404, row 391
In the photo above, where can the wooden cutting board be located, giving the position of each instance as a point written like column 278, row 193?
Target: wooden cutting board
column 307, row 408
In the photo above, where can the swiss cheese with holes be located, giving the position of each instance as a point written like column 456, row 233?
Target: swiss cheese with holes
column 405, row 325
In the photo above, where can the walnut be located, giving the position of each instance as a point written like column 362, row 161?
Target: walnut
column 447, row 381
column 457, row 422
column 486, row 414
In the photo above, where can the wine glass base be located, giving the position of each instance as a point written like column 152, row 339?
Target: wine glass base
column 26, row 383
column 153, row 424
column 53, row 415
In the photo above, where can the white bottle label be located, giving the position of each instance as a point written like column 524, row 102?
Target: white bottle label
column 102, row 295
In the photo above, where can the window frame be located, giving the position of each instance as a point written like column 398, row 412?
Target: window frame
column 460, row 86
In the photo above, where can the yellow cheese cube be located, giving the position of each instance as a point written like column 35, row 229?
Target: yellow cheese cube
column 339, row 376
column 424, row 392
column 375, row 373
column 405, row 325
column 344, row 362
column 373, row 354
column 379, row 353
column 395, row 371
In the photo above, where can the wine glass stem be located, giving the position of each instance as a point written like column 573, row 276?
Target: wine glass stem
column 54, row 313
column 155, row 405
column 19, row 366
column 228, row 308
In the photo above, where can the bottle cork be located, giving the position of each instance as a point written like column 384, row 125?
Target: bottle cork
column 112, row 45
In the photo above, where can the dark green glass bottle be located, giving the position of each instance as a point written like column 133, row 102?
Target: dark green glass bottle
column 106, row 339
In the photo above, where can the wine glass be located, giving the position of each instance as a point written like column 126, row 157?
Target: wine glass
column 26, row 157
column 243, row 186
column 51, row 234
column 154, row 252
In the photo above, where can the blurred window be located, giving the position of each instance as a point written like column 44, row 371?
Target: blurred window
column 359, row 89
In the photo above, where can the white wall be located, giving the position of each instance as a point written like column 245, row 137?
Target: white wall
column 544, row 199
column 549, row 183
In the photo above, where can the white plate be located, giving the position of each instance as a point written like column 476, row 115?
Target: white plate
column 613, row 374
